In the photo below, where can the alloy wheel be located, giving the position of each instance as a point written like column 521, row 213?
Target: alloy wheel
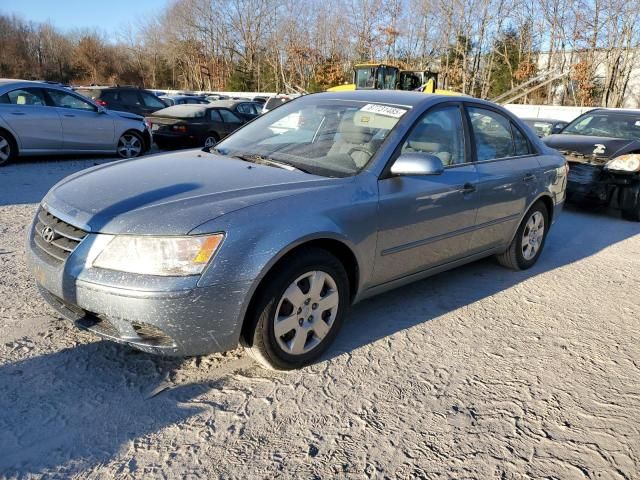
column 129, row 146
column 210, row 142
column 306, row 312
column 532, row 236
column 5, row 149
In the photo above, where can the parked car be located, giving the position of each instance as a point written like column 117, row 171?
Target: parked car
column 215, row 97
column 260, row 99
column 192, row 125
column 545, row 126
column 245, row 109
column 268, row 238
column 603, row 150
column 39, row 118
column 275, row 101
column 124, row 99
column 171, row 100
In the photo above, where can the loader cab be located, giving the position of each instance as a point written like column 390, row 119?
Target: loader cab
column 415, row 79
column 378, row 76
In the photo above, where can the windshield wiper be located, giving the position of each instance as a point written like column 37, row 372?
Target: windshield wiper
column 255, row 158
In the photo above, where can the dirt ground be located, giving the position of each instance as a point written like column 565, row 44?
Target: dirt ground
column 476, row 373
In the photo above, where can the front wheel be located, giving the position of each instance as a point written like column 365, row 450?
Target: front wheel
column 130, row 145
column 210, row 140
column 299, row 311
column 7, row 148
column 526, row 246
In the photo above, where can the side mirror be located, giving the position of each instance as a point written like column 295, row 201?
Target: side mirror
column 416, row 163
column 557, row 128
column 101, row 109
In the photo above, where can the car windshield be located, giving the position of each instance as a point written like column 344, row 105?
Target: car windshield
column 181, row 111
column 328, row 137
column 606, row 125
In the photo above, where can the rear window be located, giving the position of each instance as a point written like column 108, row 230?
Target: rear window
column 182, row 111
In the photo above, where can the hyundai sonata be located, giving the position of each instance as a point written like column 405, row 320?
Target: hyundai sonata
column 268, row 237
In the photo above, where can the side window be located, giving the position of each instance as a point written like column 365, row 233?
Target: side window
column 27, row 96
column 492, row 134
column 151, row 100
column 4, row 98
column 521, row 145
column 244, row 108
column 215, row 116
column 110, row 96
column 129, row 97
column 66, row 100
column 229, row 117
column 440, row 133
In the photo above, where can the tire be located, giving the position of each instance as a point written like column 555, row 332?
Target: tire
column 631, row 207
column 523, row 254
column 8, row 148
column 210, row 139
column 289, row 292
column 130, row 145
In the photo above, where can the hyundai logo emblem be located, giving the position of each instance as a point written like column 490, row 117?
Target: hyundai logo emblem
column 48, row 234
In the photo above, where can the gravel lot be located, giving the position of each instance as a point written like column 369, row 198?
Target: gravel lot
column 476, row 373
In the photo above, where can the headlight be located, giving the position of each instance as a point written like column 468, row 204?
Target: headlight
column 625, row 163
column 169, row 256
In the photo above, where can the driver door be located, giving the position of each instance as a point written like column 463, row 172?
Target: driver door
column 426, row 221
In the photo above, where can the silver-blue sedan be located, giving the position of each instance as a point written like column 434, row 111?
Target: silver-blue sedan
column 267, row 238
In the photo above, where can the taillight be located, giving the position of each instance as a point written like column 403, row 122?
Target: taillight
column 102, row 103
column 179, row 128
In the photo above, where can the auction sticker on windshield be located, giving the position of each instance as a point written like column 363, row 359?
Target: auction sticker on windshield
column 383, row 110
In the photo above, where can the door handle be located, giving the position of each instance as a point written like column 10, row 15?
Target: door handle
column 69, row 115
column 17, row 113
column 529, row 177
column 468, row 188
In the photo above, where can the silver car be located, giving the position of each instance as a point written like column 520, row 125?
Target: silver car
column 268, row 237
column 39, row 118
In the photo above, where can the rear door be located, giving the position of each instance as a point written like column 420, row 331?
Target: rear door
column 83, row 126
column 426, row 221
column 129, row 100
column 150, row 103
column 36, row 124
column 231, row 121
column 216, row 124
column 508, row 169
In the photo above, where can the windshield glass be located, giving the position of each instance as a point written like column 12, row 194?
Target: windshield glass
column 182, row 111
column 606, row 125
column 329, row 137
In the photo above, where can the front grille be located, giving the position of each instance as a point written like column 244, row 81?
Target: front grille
column 54, row 237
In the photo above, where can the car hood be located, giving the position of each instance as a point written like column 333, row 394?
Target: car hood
column 603, row 147
column 130, row 116
column 170, row 194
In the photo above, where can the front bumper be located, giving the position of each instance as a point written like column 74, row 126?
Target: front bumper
column 162, row 315
column 593, row 182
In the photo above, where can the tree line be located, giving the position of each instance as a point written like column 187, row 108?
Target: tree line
column 479, row 47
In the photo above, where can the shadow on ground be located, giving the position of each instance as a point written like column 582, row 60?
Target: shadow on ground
column 577, row 234
column 76, row 408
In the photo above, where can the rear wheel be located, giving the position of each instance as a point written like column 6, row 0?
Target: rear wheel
column 8, row 149
column 130, row 145
column 299, row 312
column 210, row 140
column 526, row 246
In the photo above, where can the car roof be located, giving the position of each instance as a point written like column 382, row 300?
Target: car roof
column 548, row 120
column 17, row 83
column 617, row 111
column 230, row 103
column 396, row 97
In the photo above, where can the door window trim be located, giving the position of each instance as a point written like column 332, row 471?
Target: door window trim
column 386, row 171
column 466, row 105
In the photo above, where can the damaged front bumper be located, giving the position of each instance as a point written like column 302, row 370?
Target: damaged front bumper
column 161, row 315
column 591, row 181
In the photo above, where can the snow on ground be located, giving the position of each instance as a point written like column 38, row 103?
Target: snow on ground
column 476, row 373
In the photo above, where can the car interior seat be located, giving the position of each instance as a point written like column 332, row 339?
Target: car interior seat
column 355, row 141
column 430, row 138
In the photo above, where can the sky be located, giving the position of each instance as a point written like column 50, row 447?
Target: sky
column 108, row 16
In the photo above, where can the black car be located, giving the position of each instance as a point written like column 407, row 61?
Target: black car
column 124, row 99
column 171, row 100
column 602, row 148
column 246, row 109
column 192, row 125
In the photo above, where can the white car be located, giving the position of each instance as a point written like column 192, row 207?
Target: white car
column 39, row 118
